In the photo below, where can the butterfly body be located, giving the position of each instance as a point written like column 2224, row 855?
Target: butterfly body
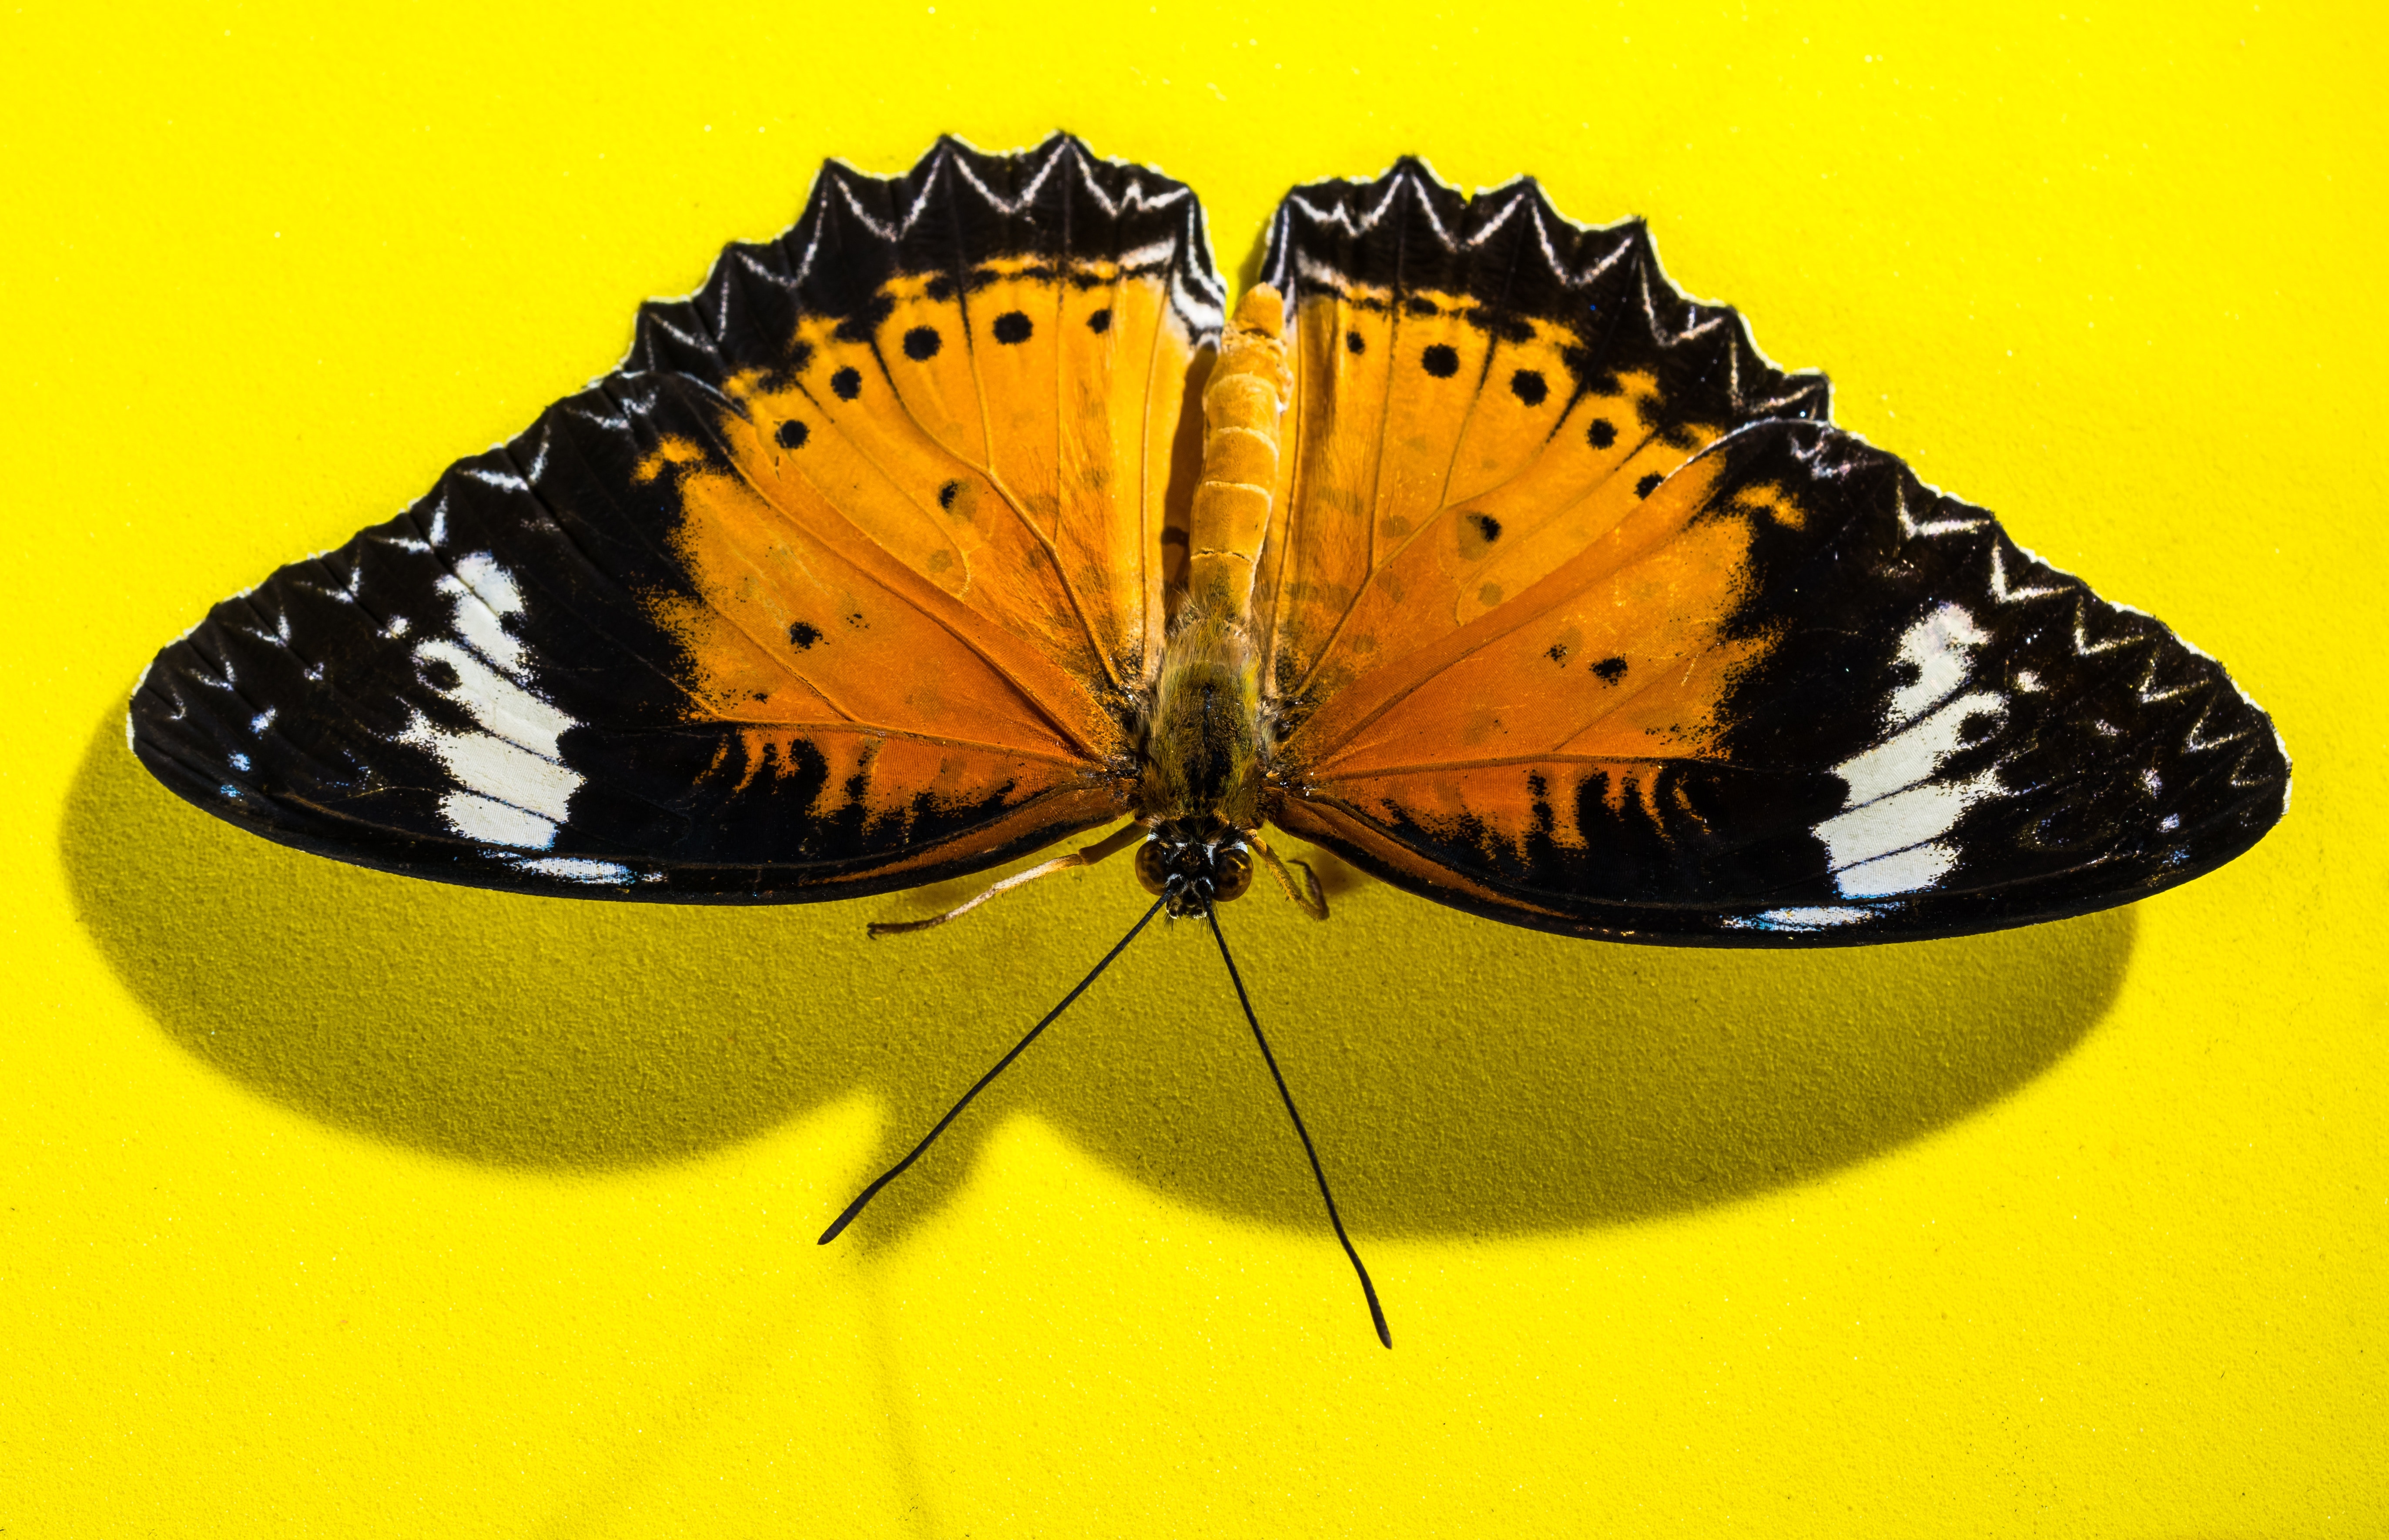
column 1205, row 744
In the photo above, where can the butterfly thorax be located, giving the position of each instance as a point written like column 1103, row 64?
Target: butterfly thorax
column 1204, row 743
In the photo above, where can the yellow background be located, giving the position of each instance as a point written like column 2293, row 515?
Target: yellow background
column 337, row 1204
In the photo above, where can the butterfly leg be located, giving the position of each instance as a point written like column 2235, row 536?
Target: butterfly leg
column 1110, row 845
column 1308, row 896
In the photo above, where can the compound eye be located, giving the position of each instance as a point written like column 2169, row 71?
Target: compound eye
column 1150, row 869
column 1233, row 872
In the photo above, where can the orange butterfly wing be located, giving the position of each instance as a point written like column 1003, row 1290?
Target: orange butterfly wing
column 1575, row 612
column 845, row 582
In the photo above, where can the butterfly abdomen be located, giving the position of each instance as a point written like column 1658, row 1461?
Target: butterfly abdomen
column 1242, row 402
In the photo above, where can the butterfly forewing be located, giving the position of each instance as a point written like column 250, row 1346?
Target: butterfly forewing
column 1481, row 390
column 1578, row 615
column 843, row 583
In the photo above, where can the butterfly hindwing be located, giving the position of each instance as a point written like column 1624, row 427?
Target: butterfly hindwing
column 799, row 603
column 1795, row 697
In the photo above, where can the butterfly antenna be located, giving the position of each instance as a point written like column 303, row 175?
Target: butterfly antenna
column 1018, row 1048
column 1377, row 1312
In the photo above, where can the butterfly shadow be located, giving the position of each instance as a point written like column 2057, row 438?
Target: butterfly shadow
column 1460, row 1077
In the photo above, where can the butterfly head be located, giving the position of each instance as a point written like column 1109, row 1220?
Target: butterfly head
column 1194, row 862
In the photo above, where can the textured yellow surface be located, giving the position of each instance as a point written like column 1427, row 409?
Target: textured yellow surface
column 340, row 1205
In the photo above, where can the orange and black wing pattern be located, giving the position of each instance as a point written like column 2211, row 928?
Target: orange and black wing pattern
column 847, row 580
column 1577, row 614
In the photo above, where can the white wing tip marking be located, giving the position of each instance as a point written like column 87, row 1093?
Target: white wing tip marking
column 1888, row 838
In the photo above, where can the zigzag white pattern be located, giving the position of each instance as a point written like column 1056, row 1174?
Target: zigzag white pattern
column 2145, row 690
column 347, row 593
column 677, row 334
column 229, row 682
column 2084, row 647
column 1911, row 530
column 281, row 633
column 1198, row 293
column 2006, row 595
column 2192, row 741
column 1519, row 194
column 621, row 424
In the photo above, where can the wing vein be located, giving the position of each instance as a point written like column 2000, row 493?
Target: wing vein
column 1028, row 697
column 1148, row 541
column 987, row 436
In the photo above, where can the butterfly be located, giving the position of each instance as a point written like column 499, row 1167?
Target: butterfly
column 966, row 517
